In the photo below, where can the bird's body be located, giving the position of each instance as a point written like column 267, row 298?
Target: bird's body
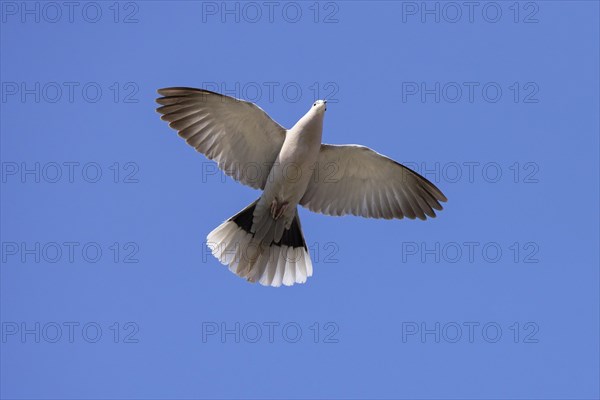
column 292, row 170
column 264, row 242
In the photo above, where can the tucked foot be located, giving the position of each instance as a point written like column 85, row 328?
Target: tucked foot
column 277, row 209
column 274, row 208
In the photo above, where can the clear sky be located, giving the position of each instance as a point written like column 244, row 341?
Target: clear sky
column 107, row 288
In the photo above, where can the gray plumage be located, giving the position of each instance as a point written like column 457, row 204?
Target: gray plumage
column 264, row 242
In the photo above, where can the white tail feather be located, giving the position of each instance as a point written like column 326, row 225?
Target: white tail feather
column 270, row 265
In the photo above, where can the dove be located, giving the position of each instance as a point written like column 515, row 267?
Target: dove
column 264, row 242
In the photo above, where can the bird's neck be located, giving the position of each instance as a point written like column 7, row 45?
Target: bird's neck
column 311, row 121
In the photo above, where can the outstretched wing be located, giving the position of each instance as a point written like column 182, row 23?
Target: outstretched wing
column 352, row 179
column 238, row 135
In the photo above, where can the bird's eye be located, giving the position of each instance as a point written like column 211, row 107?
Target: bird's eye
column 314, row 104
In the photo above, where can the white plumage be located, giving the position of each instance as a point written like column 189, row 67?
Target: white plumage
column 264, row 242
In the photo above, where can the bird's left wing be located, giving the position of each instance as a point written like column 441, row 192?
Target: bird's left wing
column 352, row 179
column 238, row 135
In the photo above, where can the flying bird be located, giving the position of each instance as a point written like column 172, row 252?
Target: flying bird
column 264, row 241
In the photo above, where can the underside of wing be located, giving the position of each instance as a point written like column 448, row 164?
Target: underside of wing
column 238, row 135
column 352, row 179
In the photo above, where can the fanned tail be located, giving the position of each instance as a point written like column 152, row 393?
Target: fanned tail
column 271, row 264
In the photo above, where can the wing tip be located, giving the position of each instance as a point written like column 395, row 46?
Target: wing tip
column 177, row 89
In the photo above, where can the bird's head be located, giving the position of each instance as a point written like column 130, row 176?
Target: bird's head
column 320, row 106
column 313, row 117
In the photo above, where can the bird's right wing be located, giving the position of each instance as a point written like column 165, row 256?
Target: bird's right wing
column 238, row 135
column 352, row 179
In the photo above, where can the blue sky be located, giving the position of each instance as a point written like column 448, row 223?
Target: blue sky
column 107, row 290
